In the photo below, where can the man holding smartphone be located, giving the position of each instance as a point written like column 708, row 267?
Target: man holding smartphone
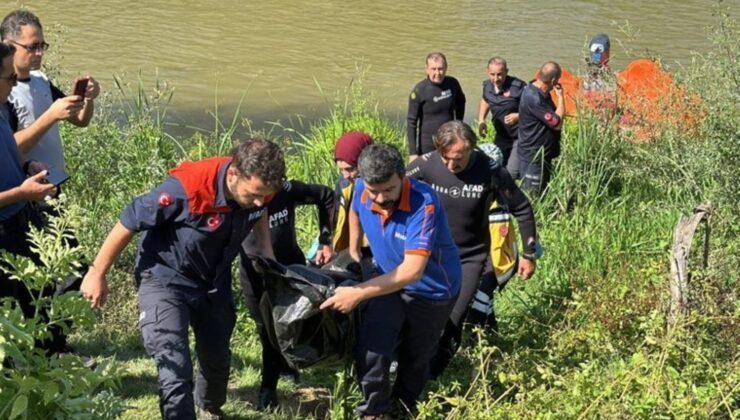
column 36, row 105
column 540, row 122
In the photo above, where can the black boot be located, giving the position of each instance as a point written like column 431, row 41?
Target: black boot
column 268, row 399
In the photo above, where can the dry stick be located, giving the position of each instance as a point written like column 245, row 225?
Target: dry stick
column 473, row 384
column 504, row 394
column 724, row 400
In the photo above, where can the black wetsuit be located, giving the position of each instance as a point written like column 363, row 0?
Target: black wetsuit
column 281, row 214
column 501, row 104
column 466, row 197
column 430, row 106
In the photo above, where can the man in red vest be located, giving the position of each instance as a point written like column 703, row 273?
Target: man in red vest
column 193, row 227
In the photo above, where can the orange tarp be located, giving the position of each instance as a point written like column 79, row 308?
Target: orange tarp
column 646, row 98
column 650, row 100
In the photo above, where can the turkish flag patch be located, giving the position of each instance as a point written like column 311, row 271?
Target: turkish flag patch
column 164, row 200
column 550, row 118
column 214, row 221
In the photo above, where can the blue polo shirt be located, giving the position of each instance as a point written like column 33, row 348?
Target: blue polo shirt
column 11, row 172
column 417, row 226
column 192, row 232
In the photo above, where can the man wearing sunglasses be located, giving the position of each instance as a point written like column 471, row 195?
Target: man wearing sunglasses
column 36, row 104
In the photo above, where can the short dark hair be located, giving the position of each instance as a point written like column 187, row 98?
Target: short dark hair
column 434, row 56
column 549, row 72
column 451, row 131
column 261, row 158
column 379, row 162
column 5, row 50
column 13, row 23
column 497, row 60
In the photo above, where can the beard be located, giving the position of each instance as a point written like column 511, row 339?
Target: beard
column 387, row 205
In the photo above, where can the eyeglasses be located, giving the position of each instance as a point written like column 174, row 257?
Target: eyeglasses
column 13, row 78
column 37, row 47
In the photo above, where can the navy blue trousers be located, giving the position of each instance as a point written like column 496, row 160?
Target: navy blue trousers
column 166, row 313
column 397, row 322
column 535, row 175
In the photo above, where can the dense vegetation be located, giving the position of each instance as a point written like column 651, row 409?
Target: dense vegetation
column 586, row 337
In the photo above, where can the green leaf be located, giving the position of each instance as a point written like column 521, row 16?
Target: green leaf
column 19, row 406
column 51, row 391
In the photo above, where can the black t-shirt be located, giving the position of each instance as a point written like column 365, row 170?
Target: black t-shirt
column 430, row 106
column 501, row 104
column 467, row 196
column 10, row 115
column 281, row 215
column 537, row 125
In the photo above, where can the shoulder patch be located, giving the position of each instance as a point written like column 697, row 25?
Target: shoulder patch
column 164, row 200
column 214, row 221
column 413, row 95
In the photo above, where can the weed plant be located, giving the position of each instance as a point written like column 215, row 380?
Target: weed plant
column 32, row 384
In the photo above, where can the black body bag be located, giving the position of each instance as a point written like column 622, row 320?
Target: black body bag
column 305, row 335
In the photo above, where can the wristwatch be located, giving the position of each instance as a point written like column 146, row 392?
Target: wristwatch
column 536, row 255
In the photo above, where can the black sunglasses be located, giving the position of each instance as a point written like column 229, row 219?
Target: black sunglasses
column 37, row 47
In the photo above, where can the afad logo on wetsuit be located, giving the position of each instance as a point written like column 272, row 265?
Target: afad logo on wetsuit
column 443, row 95
column 467, row 190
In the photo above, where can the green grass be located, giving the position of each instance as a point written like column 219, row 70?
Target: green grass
column 586, row 337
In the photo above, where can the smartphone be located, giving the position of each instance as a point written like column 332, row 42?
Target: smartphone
column 57, row 176
column 80, row 88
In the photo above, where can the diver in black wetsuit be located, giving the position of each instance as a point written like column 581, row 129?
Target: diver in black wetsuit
column 281, row 214
column 467, row 181
column 434, row 101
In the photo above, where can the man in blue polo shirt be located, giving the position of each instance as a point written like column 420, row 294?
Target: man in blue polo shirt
column 194, row 224
column 540, row 122
column 405, row 308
